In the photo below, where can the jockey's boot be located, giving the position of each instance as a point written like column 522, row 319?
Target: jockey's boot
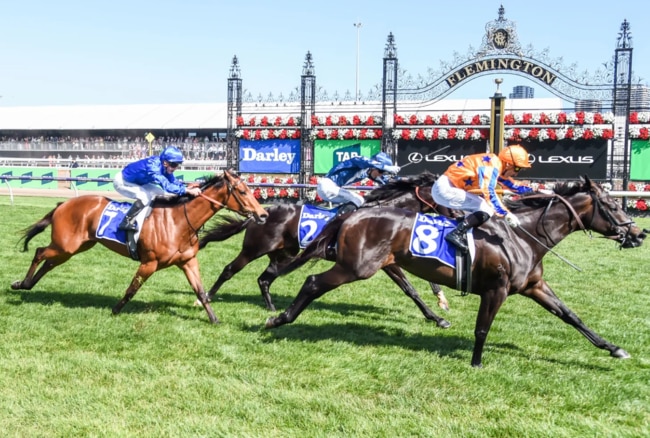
column 346, row 208
column 458, row 236
column 128, row 223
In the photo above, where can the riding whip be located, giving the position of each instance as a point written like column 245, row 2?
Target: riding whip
column 550, row 250
column 430, row 153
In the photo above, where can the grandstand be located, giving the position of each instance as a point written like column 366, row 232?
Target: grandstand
column 109, row 135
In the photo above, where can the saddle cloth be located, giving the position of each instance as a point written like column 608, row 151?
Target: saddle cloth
column 312, row 221
column 428, row 239
column 111, row 217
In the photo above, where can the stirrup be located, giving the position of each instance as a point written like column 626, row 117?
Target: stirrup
column 346, row 208
column 128, row 226
column 458, row 240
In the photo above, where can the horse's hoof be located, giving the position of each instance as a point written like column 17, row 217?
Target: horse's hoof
column 619, row 353
column 16, row 285
column 444, row 324
column 270, row 323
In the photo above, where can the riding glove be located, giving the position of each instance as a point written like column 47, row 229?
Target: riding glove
column 512, row 220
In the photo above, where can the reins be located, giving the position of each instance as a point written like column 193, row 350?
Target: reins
column 573, row 213
column 213, row 201
column 422, row 200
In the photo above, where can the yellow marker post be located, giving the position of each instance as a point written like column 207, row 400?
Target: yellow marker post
column 150, row 138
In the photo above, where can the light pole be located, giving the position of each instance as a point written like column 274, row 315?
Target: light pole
column 356, row 83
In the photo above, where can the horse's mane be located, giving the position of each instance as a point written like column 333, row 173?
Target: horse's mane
column 208, row 181
column 397, row 187
column 563, row 189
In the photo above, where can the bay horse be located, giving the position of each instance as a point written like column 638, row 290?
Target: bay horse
column 278, row 236
column 168, row 236
column 507, row 261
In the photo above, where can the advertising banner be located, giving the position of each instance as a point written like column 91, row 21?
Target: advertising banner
column 640, row 160
column 566, row 159
column 269, row 156
column 550, row 160
column 328, row 153
column 43, row 177
column 416, row 156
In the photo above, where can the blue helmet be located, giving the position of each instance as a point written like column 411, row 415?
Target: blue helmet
column 171, row 154
column 383, row 158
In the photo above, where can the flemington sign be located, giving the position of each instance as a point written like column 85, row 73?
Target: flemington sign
column 496, row 64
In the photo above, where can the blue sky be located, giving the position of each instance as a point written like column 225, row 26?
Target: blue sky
column 69, row 52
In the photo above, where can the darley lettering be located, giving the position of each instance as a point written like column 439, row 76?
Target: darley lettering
column 250, row 154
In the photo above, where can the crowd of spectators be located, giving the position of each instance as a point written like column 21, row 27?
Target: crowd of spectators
column 131, row 148
column 102, row 152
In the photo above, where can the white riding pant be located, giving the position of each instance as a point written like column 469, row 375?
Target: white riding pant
column 330, row 192
column 144, row 193
column 446, row 194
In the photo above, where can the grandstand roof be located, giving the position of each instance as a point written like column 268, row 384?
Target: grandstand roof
column 215, row 115
column 108, row 117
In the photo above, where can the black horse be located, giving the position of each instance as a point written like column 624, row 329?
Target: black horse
column 507, row 261
column 278, row 236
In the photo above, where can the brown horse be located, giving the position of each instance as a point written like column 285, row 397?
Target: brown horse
column 168, row 236
column 507, row 261
column 278, row 236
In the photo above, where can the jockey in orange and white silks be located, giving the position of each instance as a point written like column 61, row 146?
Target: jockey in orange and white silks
column 482, row 172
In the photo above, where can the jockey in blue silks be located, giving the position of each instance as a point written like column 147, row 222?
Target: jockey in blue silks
column 330, row 187
column 142, row 180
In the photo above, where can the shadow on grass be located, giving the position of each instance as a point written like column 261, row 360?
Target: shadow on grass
column 365, row 335
column 439, row 343
column 86, row 300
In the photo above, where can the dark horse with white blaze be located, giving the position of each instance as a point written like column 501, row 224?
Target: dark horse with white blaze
column 508, row 261
column 168, row 236
column 278, row 236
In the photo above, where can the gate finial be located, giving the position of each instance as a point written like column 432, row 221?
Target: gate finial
column 235, row 72
column 624, row 36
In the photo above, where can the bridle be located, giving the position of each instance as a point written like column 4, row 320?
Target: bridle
column 613, row 222
column 232, row 191
column 598, row 208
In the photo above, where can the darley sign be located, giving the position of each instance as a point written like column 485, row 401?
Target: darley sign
column 269, row 156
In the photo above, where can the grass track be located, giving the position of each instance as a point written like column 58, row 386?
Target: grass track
column 361, row 361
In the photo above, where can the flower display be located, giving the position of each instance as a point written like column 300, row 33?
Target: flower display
column 267, row 134
column 440, row 134
column 269, row 121
column 340, row 120
column 536, row 118
column 642, row 117
column 270, row 188
column 579, row 125
column 641, row 203
column 345, row 134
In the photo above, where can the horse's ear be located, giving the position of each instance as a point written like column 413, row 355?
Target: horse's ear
column 588, row 183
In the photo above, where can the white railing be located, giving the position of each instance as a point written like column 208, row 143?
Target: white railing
column 113, row 163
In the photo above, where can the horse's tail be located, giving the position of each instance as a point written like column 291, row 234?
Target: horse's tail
column 318, row 247
column 37, row 228
column 227, row 226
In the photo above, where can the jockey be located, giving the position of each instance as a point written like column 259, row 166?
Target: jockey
column 481, row 172
column 330, row 187
column 142, row 180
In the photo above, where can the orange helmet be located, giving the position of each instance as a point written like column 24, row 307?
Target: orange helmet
column 515, row 155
